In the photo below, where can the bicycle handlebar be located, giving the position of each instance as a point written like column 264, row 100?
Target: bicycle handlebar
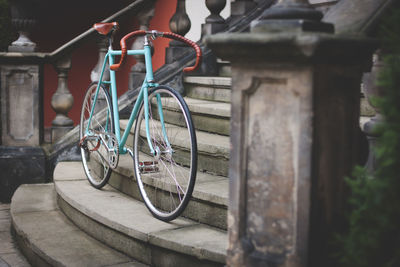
column 169, row 35
column 195, row 46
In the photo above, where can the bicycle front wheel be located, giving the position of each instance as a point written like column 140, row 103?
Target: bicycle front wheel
column 95, row 155
column 166, row 178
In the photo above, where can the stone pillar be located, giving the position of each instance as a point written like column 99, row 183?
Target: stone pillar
column 22, row 160
column 138, row 71
column 294, row 130
column 21, row 105
column 62, row 101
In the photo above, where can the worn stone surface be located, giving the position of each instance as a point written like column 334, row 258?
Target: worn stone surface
column 9, row 252
column 209, row 199
column 212, row 149
column 294, row 129
column 208, row 116
column 120, row 221
column 48, row 238
column 209, row 88
column 21, row 108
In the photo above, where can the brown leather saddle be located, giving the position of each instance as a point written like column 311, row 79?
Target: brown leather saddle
column 105, row 28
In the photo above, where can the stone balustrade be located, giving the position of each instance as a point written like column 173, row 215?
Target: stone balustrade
column 22, row 72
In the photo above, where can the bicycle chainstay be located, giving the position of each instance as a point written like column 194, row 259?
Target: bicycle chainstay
column 110, row 143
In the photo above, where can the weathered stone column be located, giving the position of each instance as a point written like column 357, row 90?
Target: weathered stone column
column 294, row 128
column 138, row 71
column 21, row 104
column 22, row 160
column 62, row 101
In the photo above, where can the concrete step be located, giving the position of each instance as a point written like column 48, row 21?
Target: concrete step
column 48, row 238
column 10, row 255
column 208, row 116
column 213, row 149
column 126, row 225
column 209, row 88
column 209, row 201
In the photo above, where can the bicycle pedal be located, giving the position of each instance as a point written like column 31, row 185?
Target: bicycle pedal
column 148, row 167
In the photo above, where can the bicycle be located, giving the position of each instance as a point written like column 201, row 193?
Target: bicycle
column 164, row 144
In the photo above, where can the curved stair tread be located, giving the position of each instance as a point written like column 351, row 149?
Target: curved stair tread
column 207, row 143
column 210, row 80
column 130, row 217
column 208, row 187
column 207, row 107
column 48, row 238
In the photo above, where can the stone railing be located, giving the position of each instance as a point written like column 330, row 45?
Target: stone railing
column 22, row 78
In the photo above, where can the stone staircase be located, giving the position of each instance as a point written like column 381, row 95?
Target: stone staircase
column 70, row 223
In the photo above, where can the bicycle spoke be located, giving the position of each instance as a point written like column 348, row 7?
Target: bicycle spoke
column 167, row 192
column 95, row 160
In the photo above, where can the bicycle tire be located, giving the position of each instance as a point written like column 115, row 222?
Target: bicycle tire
column 166, row 188
column 94, row 160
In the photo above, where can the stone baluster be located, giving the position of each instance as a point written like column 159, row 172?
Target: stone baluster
column 23, row 19
column 372, row 90
column 239, row 8
column 294, row 135
column 102, row 43
column 179, row 24
column 214, row 22
column 138, row 71
column 62, row 100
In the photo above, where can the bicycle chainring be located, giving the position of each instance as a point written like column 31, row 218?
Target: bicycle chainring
column 113, row 150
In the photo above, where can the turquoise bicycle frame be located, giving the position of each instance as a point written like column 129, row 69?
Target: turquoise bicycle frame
column 142, row 96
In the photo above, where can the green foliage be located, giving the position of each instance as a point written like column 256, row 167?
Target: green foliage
column 373, row 237
column 7, row 33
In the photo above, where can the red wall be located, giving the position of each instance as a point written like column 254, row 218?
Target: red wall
column 67, row 21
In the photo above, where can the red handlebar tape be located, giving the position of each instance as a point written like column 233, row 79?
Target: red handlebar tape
column 169, row 35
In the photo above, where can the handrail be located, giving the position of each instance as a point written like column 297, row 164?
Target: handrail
column 132, row 8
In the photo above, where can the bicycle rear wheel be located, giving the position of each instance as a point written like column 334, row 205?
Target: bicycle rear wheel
column 166, row 180
column 93, row 151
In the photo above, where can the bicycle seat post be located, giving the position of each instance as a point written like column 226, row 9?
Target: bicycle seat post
column 110, row 40
column 146, row 40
